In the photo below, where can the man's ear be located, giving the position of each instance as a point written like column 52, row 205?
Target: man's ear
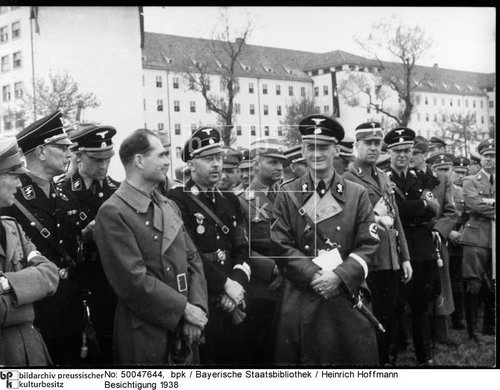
column 40, row 152
column 139, row 161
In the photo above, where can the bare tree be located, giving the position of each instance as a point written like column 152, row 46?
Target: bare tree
column 402, row 46
column 221, row 57
column 60, row 92
column 461, row 128
column 297, row 110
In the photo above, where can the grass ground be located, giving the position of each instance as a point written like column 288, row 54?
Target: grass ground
column 459, row 352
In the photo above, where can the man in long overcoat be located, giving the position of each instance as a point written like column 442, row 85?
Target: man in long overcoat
column 150, row 261
column 318, row 216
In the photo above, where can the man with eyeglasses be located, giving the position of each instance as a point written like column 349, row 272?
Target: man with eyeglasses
column 417, row 207
column 215, row 222
column 51, row 218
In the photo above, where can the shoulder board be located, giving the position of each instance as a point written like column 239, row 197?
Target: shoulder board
column 287, row 181
column 7, row 218
column 112, row 183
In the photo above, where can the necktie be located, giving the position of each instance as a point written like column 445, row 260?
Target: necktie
column 95, row 187
column 492, row 179
column 403, row 176
column 321, row 188
column 3, row 237
column 211, row 195
column 271, row 195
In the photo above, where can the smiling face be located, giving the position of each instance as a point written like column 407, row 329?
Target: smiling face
column 9, row 183
column 400, row 156
column 319, row 156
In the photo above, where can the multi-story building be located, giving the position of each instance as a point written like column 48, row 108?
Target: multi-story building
column 101, row 48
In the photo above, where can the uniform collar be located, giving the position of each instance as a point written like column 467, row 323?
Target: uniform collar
column 137, row 199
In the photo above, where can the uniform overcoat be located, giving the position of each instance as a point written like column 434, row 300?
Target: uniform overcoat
column 21, row 344
column 311, row 330
column 154, row 269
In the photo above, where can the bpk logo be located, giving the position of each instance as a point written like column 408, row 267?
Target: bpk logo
column 10, row 378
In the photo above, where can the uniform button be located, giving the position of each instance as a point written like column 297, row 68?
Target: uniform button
column 406, row 193
column 339, row 246
column 32, row 224
column 61, row 241
column 168, row 269
column 306, row 247
column 155, row 238
column 218, row 237
column 58, row 225
column 338, row 228
column 147, row 223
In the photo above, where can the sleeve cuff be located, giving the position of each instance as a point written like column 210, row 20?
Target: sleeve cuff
column 245, row 268
column 33, row 254
column 361, row 262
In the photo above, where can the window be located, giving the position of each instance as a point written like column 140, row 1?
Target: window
column 266, row 109
column 451, row 102
column 5, row 64
column 481, row 104
column 207, row 109
column 16, row 30
column 435, row 117
column 325, row 89
column 178, row 152
column 18, row 90
column 466, row 103
column 159, row 105
column 434, row 101
column 368, row 110
column 316, row 91
column 427, row 117
column 252, row 109
column 143, row 83
column 4, row 34
column 316, row 109
column 426, row 101
column 492, row 120
column 193, row 127
column 7, row 122
column 159, row 83
column 177, row 106
column 144, row 105
column 16, row 60
column 237, row 86
column 6, row 93
column 264, row 89
column 161, row 126
column 302, row 91
column 278, row 90
column 238, row 130
column 326, row 109
column 474, row 104
column 458, row 102
column 20, row 119
column 417, row 99
column 290, row 90
column 192, row 106
column 237, row 108
column 491, row 103
column 443, row 118
column 482, row 120
column 266, row 131
column 250, row 87
column 176, row 82
column 280, row 131
column 252, row 130
column 278, row 110
column 177, row 129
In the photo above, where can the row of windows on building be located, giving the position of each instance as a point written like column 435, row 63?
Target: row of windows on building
column 237, row 108
column 13, row 121
column 4, row 10
column 15, row 32
column 7, row 91
column 426, row 101
column 194, row 126
column 16, row 62
column 251, row 87
column 444, row 118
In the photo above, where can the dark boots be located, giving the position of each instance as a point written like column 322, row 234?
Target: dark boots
column 471, row 309
column 457, row 317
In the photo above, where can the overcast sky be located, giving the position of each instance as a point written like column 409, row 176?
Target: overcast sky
column 464, row 37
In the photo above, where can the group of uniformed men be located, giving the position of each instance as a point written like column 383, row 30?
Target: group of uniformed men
column 237, row 266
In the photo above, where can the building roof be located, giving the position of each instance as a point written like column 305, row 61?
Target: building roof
column 175, row 53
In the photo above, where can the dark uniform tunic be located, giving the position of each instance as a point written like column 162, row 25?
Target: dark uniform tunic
column 102, row 299
column 424, row 285
column 60, row 317
column 309, row 329
column 223, row 254
column 384, row 277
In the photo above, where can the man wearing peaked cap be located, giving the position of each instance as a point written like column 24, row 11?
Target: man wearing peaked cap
column 298, row 164
column 436, row 145
column 460, row 169
column 25, row 275
column 475, row 163
column 441, row 162
column 215, row 222
column 245, row 171
column 91, row 186
column 230, row 160
column 50, row 215
column 321, row 215
column 345, row 156
column 480, row 199
column 389, row 265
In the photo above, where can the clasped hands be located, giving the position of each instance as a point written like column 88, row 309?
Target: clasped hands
column 233, row 297
column 195, row 320
column 324, row 283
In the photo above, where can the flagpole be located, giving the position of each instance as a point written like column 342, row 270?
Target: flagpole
column 32, row 17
